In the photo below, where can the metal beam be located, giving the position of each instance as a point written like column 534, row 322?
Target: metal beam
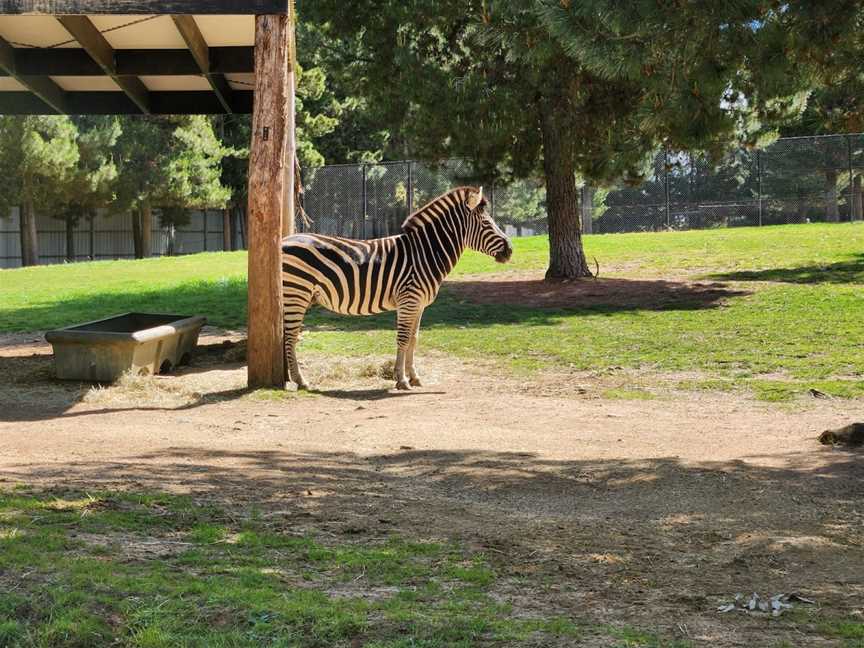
column 194, row 39
column 83, row 7
column 131, row 62
column 100, row 50
column 42, row 87
column 117, row 103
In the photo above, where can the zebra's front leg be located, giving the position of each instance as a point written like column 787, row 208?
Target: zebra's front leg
column 295, row 305
column 413, row 378
column 407, row 321
column 291, row 363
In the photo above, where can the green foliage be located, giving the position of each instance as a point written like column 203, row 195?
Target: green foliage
column 169, row 162
column 620, row 78
column 38, row 157
column 551, row 88
column 91, row 185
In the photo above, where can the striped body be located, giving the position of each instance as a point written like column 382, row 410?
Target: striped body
column 402, row 272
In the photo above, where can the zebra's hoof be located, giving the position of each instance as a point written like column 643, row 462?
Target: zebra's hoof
column 415, row 382
column 403, row 385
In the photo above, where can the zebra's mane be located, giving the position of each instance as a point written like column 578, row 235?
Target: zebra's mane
column 433, row 210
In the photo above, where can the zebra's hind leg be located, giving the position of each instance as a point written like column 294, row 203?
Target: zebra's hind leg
column 413, row 378
column 407, row 321
column 295, row 305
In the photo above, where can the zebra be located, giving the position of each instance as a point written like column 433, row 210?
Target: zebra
column 401, row 272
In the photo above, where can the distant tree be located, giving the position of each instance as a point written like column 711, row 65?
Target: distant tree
column 38, row 156
column 91, row 185
column 835, row 107
column 172, row 163
column 356, row 135
column 561, row 88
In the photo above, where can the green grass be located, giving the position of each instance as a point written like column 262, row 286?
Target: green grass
column 849, row 631
column 157, row 570
column 790, row 323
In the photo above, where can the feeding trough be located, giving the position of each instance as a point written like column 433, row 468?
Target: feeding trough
column 143, row 343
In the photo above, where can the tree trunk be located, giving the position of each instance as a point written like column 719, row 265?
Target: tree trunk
column 29, row 236
column 70, row 240
column 226, row 230
column 146, row 231
column 136, row 234
column 566, row 255
column 235, row 224
column 172, row 239
column 243, row 216
column 832, row 211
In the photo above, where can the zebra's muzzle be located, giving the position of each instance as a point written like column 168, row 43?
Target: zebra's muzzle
column 504, row 255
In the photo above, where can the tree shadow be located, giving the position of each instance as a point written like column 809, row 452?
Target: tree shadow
column 606, row 526
column 32, row 393
column 607, row 295
column 371, row 394
column 841, row 272
column 483, row 301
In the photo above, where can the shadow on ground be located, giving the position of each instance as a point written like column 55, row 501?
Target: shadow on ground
column 842, row 272
column 600, row 295
column 225, row 304
column 674, row 536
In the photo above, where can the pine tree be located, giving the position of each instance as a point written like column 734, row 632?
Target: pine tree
column 173, row 163
column 38, row 155
column 91, row 185
column 558, row 88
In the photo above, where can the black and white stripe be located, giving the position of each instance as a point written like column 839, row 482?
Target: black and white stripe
column 401, row 273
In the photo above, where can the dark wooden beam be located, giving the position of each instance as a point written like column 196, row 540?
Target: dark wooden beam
column 131, row 62
column 82, row 7
column 117, row 103
column 194, row 40
column 100, row 50
column 42, row 87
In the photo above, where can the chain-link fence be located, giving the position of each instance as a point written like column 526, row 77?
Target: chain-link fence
column 795, row 180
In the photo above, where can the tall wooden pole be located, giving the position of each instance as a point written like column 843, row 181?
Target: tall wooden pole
column 272, row 136
column 289, row 194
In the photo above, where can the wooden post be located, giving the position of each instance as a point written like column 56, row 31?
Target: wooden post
column 272, row 137
column 289, row 194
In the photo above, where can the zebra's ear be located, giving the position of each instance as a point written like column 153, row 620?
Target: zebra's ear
column 474, row 198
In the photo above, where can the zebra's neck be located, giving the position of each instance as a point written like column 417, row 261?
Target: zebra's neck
column 437, row 246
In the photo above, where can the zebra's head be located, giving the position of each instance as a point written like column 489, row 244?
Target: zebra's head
column 483, row 233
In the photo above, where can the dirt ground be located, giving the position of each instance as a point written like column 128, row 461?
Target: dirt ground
column 646, row 513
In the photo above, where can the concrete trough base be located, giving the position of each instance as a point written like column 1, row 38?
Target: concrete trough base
column 143, row 343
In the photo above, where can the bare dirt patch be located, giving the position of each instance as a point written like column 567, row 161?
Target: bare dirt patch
column 530, row 290
column 645, row 513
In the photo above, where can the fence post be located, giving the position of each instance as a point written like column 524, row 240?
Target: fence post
column 666, row 187
column 410, row 187
column 850, row 201
column 492, row 201
column 205, row 230
column 759, row 177
column 93, row 235
column 365, row 201
column 587, row 208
